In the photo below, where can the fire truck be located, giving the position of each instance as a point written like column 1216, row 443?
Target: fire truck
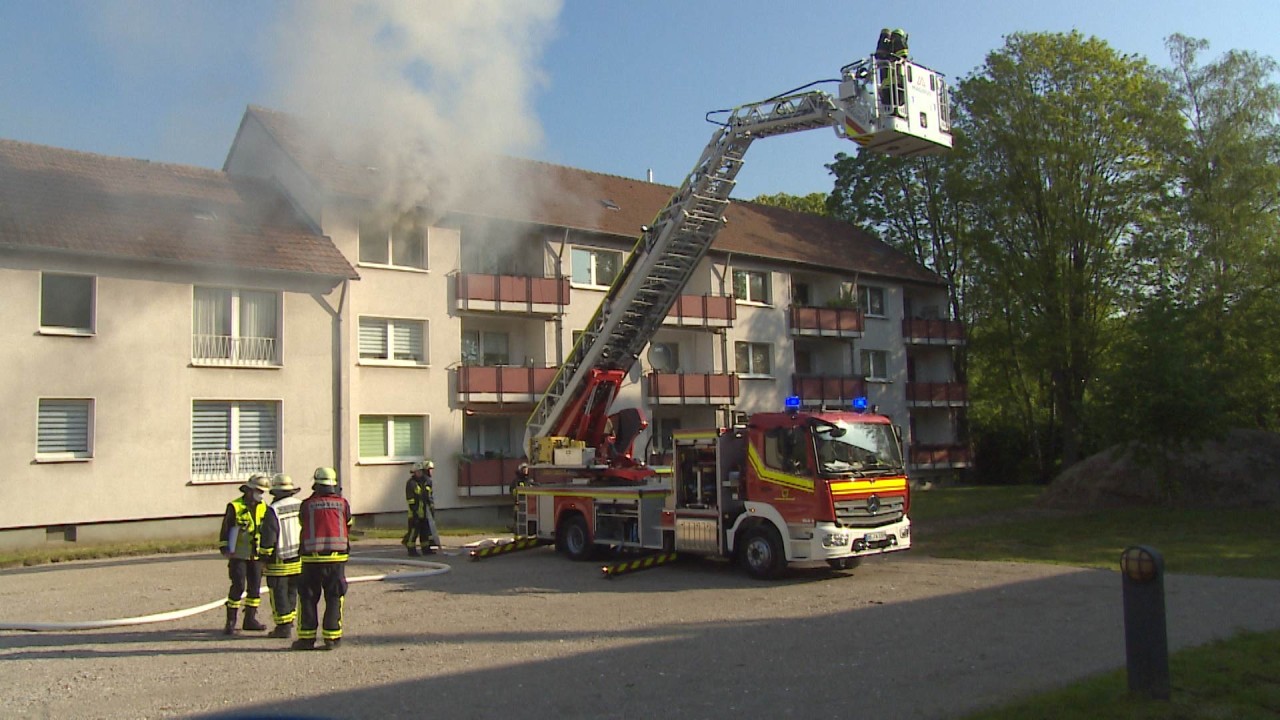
column 796, row 485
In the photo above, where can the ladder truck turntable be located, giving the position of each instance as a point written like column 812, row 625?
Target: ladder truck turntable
column 790, row 486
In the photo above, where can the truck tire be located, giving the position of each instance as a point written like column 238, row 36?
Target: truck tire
column 762, row 555
column 573, row 538
column 848, row 563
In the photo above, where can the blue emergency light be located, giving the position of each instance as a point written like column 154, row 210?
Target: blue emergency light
column 793, row 403
column 860, row 404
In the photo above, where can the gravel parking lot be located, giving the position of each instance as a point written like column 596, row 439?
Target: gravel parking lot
column 533, row 635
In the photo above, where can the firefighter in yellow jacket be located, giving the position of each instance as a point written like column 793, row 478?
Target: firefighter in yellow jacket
column 418, row 496
column 239, row 542
column 281, row 537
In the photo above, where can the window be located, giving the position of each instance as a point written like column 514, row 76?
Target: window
column 67, row 303
column 751, row 286
column 875, row 365
column 753, row 358
column 232, row 439
column 485, row 348
column 393, row 340
column 872, row 299
column 663, row 429
column 800, row 294
column 392, row 437
column 399, row 244
column 235, row 327
column 487, row 436
column 64, row 429
column 786, row 449
column 595, row 267
column 804, row 362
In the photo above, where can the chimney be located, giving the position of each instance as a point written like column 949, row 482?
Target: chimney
column 650, row 174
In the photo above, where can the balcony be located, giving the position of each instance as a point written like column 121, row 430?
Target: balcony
column 214, row 466
column 521, row 294
column 827, row 389
column 230, row 351
column 826, row 322
column 939, row 457
column 485, row 476
column 502, row 384
column 702, row 312
column 918, row 331
column 937, row 394
column 691, row 388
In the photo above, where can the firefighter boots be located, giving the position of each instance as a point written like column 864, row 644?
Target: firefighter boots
column 251, row 619
column 230, row 627
column 281, row 631
column 413, row 552
column 303, row 644
column 332, row 644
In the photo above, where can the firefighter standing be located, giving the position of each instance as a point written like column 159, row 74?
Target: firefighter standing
column 521, row 480
column 325, row 544
column 418, row 495
column 281, row 535
column 240, row 542
column 890, row 49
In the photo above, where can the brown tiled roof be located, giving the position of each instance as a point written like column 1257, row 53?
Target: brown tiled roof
column 616, row 205
column 56, row 199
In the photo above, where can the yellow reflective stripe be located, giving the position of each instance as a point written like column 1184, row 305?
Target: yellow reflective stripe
column 293, row 567
column 336, row 558
column 695, row 434
column 585, row 493
column 777, row 477
column 877, row 485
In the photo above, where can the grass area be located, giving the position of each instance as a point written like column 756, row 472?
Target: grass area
column 1000, row 524
column 1236, row 678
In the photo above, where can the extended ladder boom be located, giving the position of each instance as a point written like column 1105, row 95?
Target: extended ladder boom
column 668, row 252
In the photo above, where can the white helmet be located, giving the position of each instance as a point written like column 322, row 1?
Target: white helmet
column 325, row 476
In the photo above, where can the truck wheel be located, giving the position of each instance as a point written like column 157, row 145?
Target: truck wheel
column 848, row 563
column 574, row 539
column 762, row 554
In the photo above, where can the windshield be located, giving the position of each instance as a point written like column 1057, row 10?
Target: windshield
column 863, row 447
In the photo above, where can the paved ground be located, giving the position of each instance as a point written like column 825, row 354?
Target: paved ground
column 536, row 636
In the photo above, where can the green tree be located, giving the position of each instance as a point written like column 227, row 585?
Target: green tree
column 1067, row 150
column 813, row 203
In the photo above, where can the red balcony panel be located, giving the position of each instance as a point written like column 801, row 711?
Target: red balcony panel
column 486, row 476
column 503, row 384
column 511, row 293
column 692, row 388
column 714, row 311
column 827, row 389
column 825, row 321
column 940, row 456
column 933, row 331
column 937, row 393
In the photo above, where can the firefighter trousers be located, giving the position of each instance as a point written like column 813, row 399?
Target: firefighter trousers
column 246, row 575
column 284, row 598
column 321, row 579
column 419, row 533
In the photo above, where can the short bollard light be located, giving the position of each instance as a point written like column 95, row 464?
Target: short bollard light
column 1145, row 636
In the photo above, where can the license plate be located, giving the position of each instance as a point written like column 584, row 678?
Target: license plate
column 875, row 536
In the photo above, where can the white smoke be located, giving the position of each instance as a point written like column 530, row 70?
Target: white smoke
column 428, row 92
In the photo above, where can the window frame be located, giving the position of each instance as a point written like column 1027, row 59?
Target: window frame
column 389, row 439
column 235, row 439
column 67, row 455
column 867, row 357
column 412, row 221
column 46, row 329
column 388, row 341
column 594, row 253
column 766, row 284
column 753, row 371
column 866, row 293
column 478, row 430
column 480, row 346
column 235, row 297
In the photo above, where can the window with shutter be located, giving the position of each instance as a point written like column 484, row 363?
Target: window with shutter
column 393, row 340
column 395, row 438
column 230, row 439
column 64, row 429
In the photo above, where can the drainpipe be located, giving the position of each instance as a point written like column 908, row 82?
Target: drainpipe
column 336, row 361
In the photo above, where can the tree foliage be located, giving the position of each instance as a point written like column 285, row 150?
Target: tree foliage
column 813, row 203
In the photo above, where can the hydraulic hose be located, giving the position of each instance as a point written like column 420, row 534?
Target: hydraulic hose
column 429, row 569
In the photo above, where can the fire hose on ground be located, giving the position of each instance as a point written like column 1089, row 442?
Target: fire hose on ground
column 429, row 569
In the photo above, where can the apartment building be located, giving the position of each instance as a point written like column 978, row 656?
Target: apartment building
column 441, row 347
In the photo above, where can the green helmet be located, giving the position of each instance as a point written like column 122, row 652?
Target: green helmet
column 325, row 476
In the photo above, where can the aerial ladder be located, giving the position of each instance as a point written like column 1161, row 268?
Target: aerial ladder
column 890, row 106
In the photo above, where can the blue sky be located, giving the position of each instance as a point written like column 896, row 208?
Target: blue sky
column 615, row 87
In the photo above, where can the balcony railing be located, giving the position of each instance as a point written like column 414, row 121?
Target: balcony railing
column 937, row 394
column 226, row 466
column 703, row 311
column 827, row 390
column 826, row 322
column 928, row 457
column 228, row 350
column 511, row 294
column 917, row 331
column 503, row 383
column 692, row 388
column 482, row 476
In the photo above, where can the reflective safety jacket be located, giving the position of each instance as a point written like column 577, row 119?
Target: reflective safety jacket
column 242, row 530
column 282, row 537
column 325, row 517
column 418, row 494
